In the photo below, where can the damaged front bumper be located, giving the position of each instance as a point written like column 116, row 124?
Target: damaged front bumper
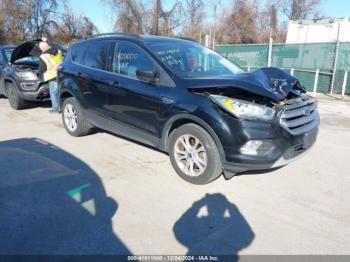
column 290, row 136
column 286, row 150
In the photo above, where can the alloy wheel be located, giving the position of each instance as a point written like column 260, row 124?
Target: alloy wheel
column 12, row 97
column 70, row 117
column 190, row 155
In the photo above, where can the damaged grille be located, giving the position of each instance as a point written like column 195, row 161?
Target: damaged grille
column 300, row 115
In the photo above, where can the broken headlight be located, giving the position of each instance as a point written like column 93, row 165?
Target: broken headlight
column 244, row 109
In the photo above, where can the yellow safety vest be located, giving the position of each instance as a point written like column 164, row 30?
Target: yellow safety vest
column 51, row 61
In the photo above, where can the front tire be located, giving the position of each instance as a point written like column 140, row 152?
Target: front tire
column 73, row 118
column 16, row 102
column 194, row 154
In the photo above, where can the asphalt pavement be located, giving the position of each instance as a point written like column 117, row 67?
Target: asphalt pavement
column 102, row 194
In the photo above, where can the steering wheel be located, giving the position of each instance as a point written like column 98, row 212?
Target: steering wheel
column 198, row 69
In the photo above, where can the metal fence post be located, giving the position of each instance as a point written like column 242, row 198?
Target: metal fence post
column 269, row 57
column 292, row 71
column 344, row 83
column 335, row 61
column 316, row 81
column 207, row 40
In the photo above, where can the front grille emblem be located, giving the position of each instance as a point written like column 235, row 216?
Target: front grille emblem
column 307, row 111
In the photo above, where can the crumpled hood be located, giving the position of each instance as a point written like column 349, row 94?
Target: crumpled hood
column 268, row 82
column 24, row 50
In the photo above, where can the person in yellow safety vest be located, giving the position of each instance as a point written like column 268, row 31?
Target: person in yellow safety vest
column 50, row 58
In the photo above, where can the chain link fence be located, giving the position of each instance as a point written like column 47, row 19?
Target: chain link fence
column 313, row 64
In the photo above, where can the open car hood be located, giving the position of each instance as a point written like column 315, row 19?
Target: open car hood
column 267, row 82
column 30, row 48
column 24, row 50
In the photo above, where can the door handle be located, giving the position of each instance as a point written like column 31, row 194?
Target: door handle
column 113, row 84
column 77, row 74
column 166, row 100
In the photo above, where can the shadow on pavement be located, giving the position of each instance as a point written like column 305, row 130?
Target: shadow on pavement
column 52, row 203
column 259, row 172
column 31, row 104
column 37, row 104
column 213, row 226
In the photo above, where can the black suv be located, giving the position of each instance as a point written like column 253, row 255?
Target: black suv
column 19, row 79
column 176, row 95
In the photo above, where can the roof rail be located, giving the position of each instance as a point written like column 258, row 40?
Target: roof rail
column 112, row 34
column 186, row 38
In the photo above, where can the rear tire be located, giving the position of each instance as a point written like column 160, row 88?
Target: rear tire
column 16, row 102
column 73, row 118
column 194, row 155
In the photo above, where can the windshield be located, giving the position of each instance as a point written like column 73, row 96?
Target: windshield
column 8, row 53
column 192, row 60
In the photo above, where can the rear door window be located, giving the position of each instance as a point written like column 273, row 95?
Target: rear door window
column 97, row 55
column 78, row 52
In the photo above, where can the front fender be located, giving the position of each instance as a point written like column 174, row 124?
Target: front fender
column 191, row 119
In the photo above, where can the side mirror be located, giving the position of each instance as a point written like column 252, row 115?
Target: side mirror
column 147, row 75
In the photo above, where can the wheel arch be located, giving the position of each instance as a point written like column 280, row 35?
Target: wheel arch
column 181, row 119
column 68, row 88
column 63, row 96
column 9, row 81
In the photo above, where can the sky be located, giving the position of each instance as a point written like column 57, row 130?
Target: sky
column 100, row 12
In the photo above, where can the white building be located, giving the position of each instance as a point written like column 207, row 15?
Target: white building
column 318, row 31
